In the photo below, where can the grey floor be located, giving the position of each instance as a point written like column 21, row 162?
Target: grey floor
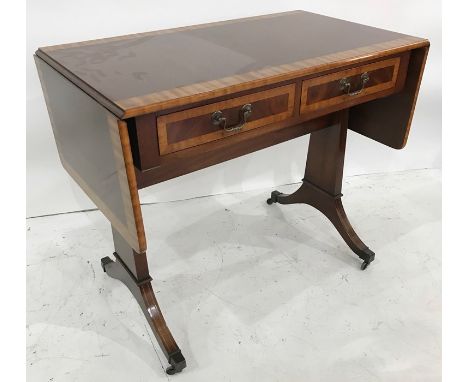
column 251, row 292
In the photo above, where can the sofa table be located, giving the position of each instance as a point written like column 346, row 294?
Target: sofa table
column 132, row 111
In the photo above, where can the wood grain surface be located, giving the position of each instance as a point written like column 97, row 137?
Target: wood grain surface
column 388, row 120
column 192, row 127
column 142, row 73
column 324, row 91
column 94, row 148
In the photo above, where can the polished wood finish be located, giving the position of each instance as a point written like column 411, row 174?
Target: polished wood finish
column 321, row 186
column 388, row 120
column 94, row 148
column 147, row 72
column 192, row 127
column 198, row 157
column 144, row 141
column 133, row 211
column 138, row 281
column 135, row 262
column 233, row 145
column 324, row 91
column 132, row 111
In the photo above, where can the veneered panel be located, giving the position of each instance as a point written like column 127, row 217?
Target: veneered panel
column 324, row 91
column 388, row 120
column 196, row 126
column 94, row 148
column 202, row 156
column 188, row 128
column 137, row 74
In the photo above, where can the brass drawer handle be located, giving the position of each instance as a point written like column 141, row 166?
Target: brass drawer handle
column 218, row 120
column 345, row 85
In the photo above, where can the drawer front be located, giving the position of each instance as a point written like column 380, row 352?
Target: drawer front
column 347, row 87
column 192, row 127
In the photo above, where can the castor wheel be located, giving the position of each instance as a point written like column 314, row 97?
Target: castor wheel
column 177, row 362
column 273, row 198
column 364, row 265
column 105, row 261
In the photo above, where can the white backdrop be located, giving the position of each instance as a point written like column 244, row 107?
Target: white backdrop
column 51, row 190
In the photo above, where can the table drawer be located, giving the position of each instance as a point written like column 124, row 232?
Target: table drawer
column 192, row 127
column 348, row 87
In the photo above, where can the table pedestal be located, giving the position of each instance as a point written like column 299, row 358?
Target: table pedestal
column 321, row 187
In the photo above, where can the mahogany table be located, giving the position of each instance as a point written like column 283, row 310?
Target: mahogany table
column 132, row 111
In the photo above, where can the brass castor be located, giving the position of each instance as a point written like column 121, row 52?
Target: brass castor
column 273, row 198
column 364, row 265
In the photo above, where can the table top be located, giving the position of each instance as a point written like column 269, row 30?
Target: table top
column 146, row 72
